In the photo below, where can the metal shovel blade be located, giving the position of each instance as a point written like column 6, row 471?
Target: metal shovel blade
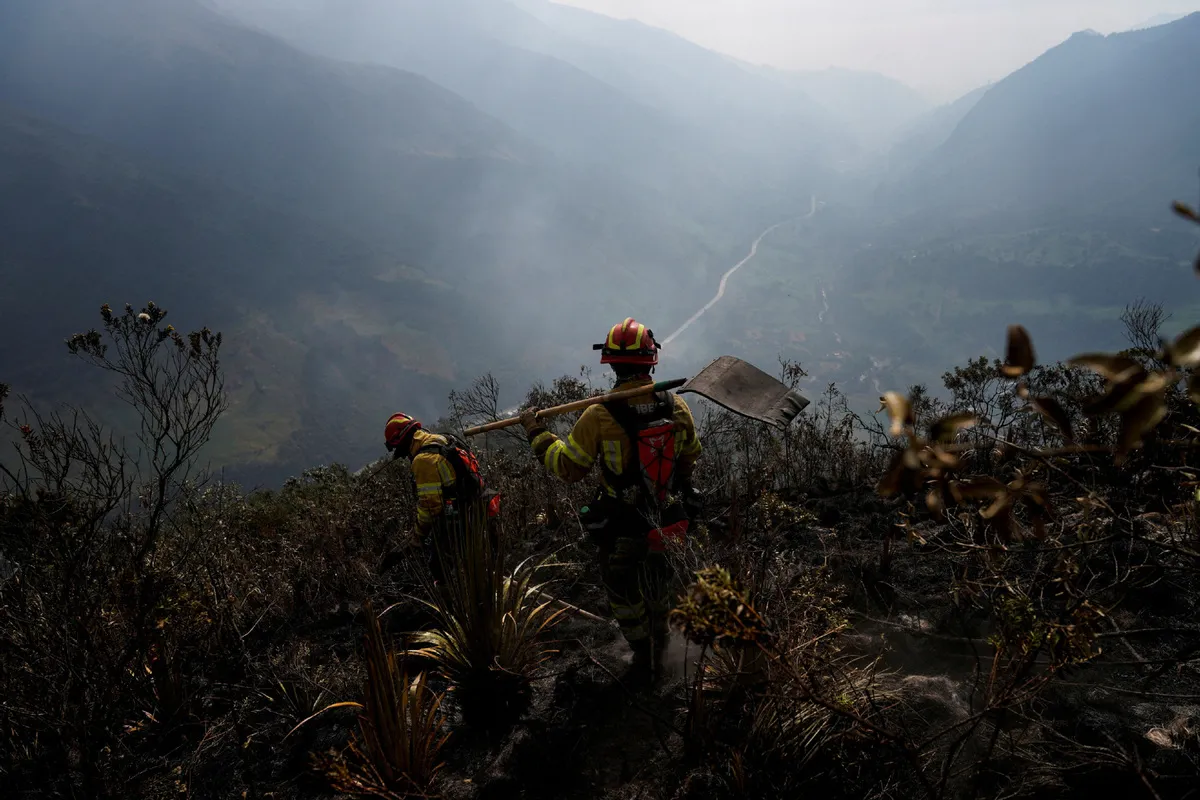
column 745, row 389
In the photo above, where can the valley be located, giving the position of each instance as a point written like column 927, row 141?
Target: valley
column 562, row 175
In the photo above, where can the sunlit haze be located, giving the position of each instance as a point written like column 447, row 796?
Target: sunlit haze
column 943, row 48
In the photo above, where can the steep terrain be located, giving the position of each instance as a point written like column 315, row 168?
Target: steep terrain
column 715, row 135
column 440, row 196
column 918, row 138
column 1041, row 199
column 508, row 166
column 872, row 107
column 967, row 606
column 1097, row 125
column 1046, row 202
column 461, row 46
column 708, row 89
column 178, row 84
column 384, row 153
column 870, row 647
column 296, row 299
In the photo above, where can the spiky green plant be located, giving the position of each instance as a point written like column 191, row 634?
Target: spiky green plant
column 487, row 635
column 402, row 729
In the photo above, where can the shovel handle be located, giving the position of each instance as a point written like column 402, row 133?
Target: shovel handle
column 566, row 408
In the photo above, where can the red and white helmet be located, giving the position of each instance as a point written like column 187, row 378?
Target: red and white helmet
column 629, row 342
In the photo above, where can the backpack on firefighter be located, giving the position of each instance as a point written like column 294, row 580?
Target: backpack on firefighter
column 469, row 484
column 649, row 486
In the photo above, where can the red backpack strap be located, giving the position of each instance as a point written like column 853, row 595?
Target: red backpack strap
column 651, row 450
column 464, row 463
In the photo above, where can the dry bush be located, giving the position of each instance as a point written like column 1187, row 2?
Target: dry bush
column 1043, row 592
column 95, row 623
column 160, row 634
column 776, row 706
column 402, row 730
column 1060, row 500
column 488, row 624
column 532, row 498
column 148, row 615
column 827, row 450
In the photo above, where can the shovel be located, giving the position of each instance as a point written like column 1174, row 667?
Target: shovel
column 746, row 390
column 729, row 382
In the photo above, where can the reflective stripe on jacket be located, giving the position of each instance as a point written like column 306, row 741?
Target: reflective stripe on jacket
column 598, row 436
column 432, row 474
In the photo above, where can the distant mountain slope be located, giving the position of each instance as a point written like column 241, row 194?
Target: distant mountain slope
column 708, row 89
column 1099, row 123
column 626, row 100
column 721, row 100
column 180, row 84
column 1047, row 203
column 83, row 223
column 1158, row 19
column 923, row 135
column 387, row 228
column 873, row 107
column 546, row 99
column 387, row 155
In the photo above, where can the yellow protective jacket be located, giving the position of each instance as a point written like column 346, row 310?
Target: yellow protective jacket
column 433, row 475
column 597, row 436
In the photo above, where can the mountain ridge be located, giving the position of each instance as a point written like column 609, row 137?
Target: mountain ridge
column 410, row 241
column 104, row 227
column 1059, row 132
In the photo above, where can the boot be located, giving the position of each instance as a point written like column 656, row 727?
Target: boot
column 660, row 654
column 641, row 672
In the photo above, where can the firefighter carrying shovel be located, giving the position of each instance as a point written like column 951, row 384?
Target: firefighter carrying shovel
column 646, row 447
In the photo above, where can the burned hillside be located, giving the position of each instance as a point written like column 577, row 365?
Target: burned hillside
column 988, row 595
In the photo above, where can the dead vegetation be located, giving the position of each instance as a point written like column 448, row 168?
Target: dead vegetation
column 401, row 727
column 488, row 626
column 993, row 593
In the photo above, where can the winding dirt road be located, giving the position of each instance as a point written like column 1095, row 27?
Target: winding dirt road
column 729, row 273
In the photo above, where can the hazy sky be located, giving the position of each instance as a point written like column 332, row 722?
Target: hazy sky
column 942, row 47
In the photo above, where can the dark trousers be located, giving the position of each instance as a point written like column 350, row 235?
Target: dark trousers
column 637, row 580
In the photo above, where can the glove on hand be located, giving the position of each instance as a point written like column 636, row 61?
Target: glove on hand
column 530, row 420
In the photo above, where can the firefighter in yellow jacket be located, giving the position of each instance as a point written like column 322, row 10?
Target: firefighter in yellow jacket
column 646, row 448
column 446, row 477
